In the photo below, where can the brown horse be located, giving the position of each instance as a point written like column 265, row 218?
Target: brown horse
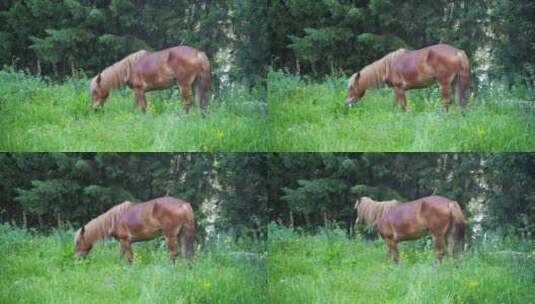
column 406, row 69
column 145, row 71
column 131, row 222
column 397, row 221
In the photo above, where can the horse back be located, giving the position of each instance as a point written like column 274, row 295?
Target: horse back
column 417, row 68
column 185, row 56
column 143, row 220
column 410, row 220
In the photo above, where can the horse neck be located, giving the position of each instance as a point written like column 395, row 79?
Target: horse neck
column 101, row 226
column 372, row 74
column 375, row 73
column 372, row 211
column 118, row 73
column 113, row 77
column 94, row 230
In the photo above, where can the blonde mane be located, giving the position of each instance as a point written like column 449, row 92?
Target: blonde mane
column 104, row 224
column 118, row 73
column 371, row 211
column 375, row 72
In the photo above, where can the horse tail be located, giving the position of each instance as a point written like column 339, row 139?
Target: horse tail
column 202, row 83
column 187, row 234
column 463, row 78
column 457, row 228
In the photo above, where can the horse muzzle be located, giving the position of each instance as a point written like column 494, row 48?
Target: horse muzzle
column 351, row 101
column 80, row 254
column 95, row 107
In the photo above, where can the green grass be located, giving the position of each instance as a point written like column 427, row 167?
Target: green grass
column 309, row 116
column 40, row 269
column 329, row 268
column 40, row 115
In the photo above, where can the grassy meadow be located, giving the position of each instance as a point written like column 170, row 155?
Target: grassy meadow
column 41, row 269
column 329, row 268
column 40, row 115
column 306, row 115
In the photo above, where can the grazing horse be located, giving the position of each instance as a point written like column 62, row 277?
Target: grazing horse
column 397, row 221
column 145, row 71
column 409, row 69
column 131, row 222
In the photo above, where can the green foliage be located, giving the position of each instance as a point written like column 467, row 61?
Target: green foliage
column 227, row 191
column 319, row 189
column 327, row 36
column 63, row 37
column 244, row 201
column 36, row 115
column 511, row 190
column 252, row 53
column 312, row 116
column 514, row 41
column 329, row 268
column 42, row 269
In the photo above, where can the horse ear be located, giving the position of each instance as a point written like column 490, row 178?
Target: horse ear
column 82, row 231
column 99, row 78
column 358, row 76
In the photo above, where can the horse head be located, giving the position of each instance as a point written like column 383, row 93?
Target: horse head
column 98, row 92
column 81, row 245
column 355, row 91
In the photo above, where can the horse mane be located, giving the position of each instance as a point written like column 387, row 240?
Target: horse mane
column 119, row 72
column 375, row 72
column 104, row 224
column 371, row 211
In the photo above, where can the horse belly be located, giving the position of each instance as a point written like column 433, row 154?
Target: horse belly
column 140, row 229
column 408, row 230
column 148, row 233
column 159, row 85
column 157, row 76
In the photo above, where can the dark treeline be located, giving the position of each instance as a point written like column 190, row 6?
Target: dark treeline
column 324, row 37
column 63, row 37
column 46, row 190
column 319, row 189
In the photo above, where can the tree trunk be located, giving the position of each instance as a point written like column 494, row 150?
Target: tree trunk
column 60, row 222
column 40, row 220
column 291, row 219
column 73, row 70
column 24, row 219
column 307, row 220
column 314, row 71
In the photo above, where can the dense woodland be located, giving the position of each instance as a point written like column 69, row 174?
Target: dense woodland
column 44, row 190
column 326, row 37
column 76, row 36
column 495, row 191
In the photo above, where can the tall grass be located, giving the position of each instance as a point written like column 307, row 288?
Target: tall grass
column 305, row 115
column 41, row 269
column 39, row 115
column 329, row 268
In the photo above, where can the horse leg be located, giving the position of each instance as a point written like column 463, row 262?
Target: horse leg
column 450, row 240
column 140, row 99
column 126, row 249
column 445, row 90
column 437, row 242
column 392, row 249
column 400, row 97
column 463, row 80
column 187, row 240
column 185, row 91
column 171, row 246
